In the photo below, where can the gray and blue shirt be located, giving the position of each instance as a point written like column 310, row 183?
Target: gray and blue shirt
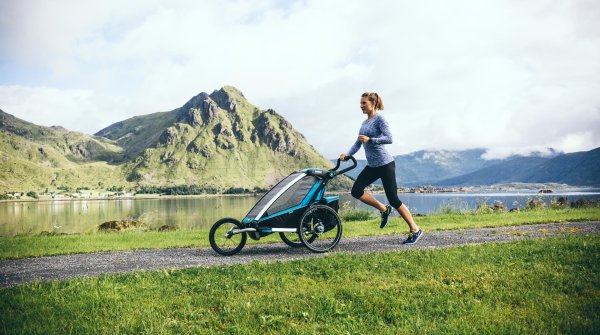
column 378, row 130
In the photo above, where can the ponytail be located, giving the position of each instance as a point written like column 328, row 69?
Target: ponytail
column 375, row 99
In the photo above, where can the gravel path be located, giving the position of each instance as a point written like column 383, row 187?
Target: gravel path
column 14, row 272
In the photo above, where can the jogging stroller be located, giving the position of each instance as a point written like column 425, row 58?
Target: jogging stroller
column 295, row 208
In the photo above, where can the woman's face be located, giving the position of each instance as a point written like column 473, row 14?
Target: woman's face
column 365, row 105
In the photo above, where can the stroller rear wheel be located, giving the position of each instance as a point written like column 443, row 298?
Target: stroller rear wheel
column 224, row 239
column 320, row 228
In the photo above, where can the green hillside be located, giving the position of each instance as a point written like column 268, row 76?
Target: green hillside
column 217, row 141
column 34, row 157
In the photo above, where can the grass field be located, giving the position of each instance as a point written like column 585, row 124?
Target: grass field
column 34, row 246
column 540, row 286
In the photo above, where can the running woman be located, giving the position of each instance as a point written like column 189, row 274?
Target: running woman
column 373, row 135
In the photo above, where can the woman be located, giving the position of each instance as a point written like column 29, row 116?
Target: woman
column 373, row 134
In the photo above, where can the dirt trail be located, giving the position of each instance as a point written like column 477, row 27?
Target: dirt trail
column 15, row 272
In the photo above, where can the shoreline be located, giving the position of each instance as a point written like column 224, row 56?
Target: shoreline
column 469, row 190
column 152, row 197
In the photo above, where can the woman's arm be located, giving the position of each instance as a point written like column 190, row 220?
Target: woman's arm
column 386, row 134
column 354, row 148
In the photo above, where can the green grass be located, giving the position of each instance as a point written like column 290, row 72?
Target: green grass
column 35, row 246
column 540, row 286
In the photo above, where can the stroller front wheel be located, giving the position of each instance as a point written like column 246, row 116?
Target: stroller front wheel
column 224, row 238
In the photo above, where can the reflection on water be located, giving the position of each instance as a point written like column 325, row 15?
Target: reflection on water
column 83, row 216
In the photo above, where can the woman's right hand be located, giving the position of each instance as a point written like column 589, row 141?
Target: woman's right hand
column 343, row 157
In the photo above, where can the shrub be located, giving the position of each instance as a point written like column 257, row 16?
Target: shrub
column 484, row 209
column 534, row 204
column 560, row 203
column 454, row 206
column 65, row 188
column 181, row 190
column 448, row 209
column 237, row 190
column 497, row 207
column 121, row 225
column 349, row 213
column 33, row 194
column 581, row 203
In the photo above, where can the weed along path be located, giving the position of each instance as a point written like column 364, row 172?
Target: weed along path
column 15, row 272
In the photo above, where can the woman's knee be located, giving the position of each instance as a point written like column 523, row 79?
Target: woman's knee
column 357, row 192
column 396, row 203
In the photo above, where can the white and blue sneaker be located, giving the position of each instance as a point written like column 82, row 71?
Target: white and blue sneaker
column 414, row 237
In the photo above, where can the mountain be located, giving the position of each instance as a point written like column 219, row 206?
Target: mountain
column 428, row 166
column 509, row 171
column 578, row 168
column 468, row 168
column 215, row 141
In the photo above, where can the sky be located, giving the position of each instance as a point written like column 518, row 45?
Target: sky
column 506, row 75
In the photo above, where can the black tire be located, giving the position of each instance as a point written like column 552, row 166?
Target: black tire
column 288, row 240
column 320, row 228
column 292, row 239
column 221, row 239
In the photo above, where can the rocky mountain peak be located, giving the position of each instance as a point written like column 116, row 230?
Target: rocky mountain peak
column 198, row 110
column 227, row 98
column 195, row 102
column 202, row 108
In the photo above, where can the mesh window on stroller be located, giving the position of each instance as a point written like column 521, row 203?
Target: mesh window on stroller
column 293, row 195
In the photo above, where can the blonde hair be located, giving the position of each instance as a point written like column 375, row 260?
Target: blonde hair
column 375, row 99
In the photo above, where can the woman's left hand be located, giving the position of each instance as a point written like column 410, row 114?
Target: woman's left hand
column 363, row 138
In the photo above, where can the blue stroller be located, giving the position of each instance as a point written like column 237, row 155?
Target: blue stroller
column 296, row 208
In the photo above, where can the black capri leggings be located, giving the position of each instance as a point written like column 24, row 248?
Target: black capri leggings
column 387, row 173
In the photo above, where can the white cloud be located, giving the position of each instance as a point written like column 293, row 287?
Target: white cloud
column 78, row 110
column 505, row 75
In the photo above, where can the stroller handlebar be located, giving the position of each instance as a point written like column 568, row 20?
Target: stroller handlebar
column 354, row 164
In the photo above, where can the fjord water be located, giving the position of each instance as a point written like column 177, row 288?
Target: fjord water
column 83, row 216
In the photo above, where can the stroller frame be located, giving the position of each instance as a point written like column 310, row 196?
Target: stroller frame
column 296, row 208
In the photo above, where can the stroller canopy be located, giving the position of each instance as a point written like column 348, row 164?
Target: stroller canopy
column 286, row 194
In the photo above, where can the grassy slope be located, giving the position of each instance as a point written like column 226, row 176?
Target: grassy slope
column 537, row 286
column 23, row 167
column 34, row 246
column 137, row 133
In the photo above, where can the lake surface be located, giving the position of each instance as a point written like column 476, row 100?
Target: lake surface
column 83, row 216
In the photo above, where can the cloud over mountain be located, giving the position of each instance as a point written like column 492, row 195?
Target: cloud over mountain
column 503, row 75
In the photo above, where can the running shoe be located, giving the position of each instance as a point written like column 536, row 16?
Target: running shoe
column 414, row 237
column 385, row 215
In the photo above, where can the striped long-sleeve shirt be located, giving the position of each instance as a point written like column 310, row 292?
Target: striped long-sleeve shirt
column 378, row 130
